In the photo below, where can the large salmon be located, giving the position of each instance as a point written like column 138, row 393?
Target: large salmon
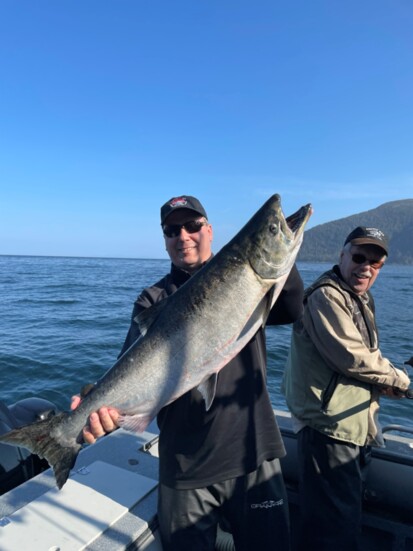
column 186, row 339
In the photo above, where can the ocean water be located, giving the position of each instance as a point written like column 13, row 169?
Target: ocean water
column 64, row 320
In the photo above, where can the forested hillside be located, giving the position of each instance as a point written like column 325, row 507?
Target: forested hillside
column 324, row 242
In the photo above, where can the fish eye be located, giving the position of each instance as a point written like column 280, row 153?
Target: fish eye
column 273, row 228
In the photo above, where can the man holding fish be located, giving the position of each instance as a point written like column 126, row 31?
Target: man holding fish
column 219, row 444
column 195, row 358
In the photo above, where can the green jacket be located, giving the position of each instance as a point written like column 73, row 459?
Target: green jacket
column 335, row 368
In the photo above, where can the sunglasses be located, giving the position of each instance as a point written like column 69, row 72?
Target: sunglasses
column 173, row 230
column 361, row 259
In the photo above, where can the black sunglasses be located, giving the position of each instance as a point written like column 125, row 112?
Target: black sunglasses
column 361, row 259
column 173, row 230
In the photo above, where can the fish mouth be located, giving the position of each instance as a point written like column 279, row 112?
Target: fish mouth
column 298, row 220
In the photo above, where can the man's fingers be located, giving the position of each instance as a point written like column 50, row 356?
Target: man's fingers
column 108, row 418
column 75, row 402
column 100, row 422
column 103, row 421
column 94, row 430
column 88, row 437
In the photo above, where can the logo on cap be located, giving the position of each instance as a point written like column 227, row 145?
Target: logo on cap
column 375, row 233
column 178, row 202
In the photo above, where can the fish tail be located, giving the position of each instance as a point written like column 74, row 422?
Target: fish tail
column 39, row 439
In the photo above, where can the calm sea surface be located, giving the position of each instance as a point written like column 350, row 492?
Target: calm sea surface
column 64, row 320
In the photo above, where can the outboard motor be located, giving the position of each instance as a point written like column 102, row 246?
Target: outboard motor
column 17, row 464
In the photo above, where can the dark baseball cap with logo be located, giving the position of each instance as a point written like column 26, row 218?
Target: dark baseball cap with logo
column 368, row 236
column 182, row 202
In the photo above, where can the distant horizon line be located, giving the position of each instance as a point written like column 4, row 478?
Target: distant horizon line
column 82, row 256
column 326, row 262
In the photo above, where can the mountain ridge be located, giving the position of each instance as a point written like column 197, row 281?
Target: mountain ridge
column 324, row 242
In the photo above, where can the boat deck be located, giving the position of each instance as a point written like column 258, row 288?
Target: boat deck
column 134, row 527
column 109, row 502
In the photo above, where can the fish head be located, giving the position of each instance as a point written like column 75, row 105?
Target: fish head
column 273, row 241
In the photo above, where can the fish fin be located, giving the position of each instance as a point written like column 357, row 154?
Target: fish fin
column 147, row 317
column 208, row 389
column 259, row 316
column 269, row 301
column 37, row 437
column 134, row 423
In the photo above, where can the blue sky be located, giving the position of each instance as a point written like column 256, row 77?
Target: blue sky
column 109, row 108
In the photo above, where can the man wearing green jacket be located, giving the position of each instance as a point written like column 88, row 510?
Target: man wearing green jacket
column 334, row 375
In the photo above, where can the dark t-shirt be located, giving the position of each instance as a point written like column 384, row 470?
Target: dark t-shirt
column 198, row 447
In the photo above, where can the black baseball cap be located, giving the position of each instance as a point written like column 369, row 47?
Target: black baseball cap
column 368, row 236
column 182, row 202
